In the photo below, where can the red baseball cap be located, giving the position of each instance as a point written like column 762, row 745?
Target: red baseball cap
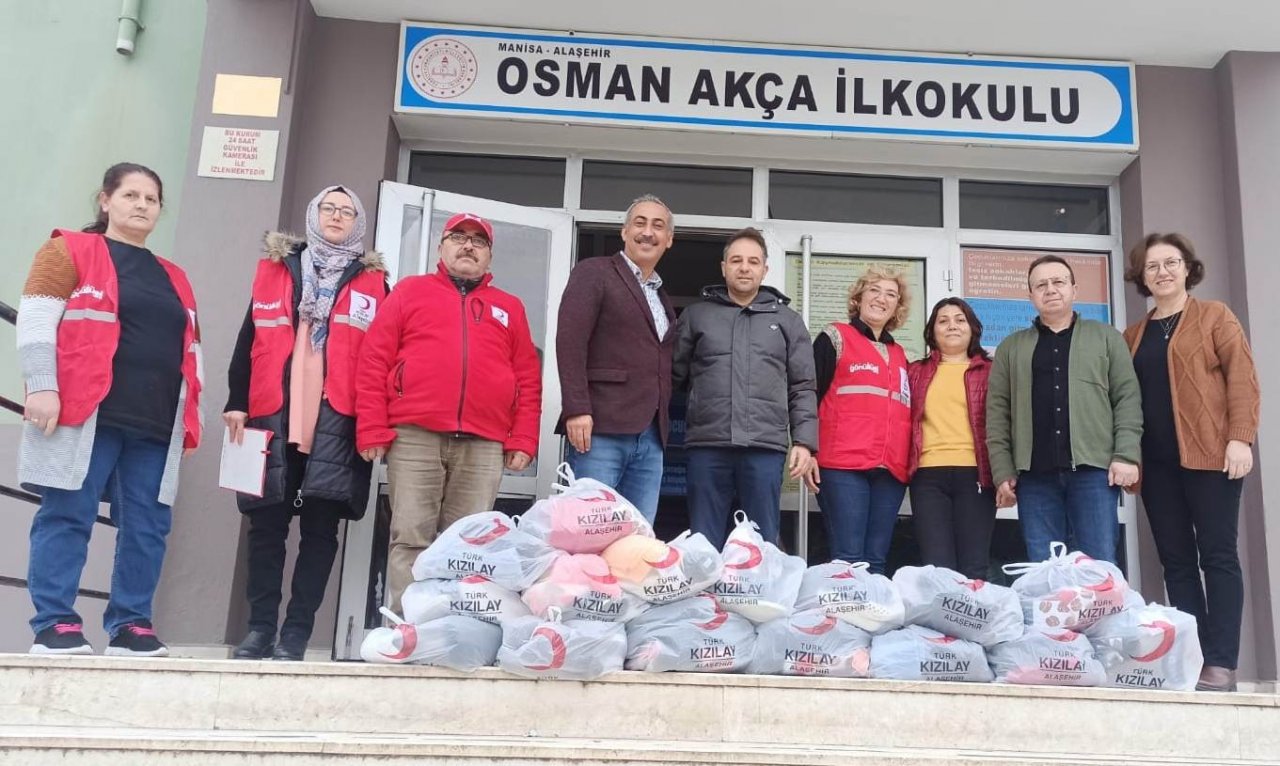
column 462, row 218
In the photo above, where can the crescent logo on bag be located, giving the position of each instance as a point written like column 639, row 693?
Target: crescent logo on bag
column 605, row 496
column 827, row 624
column 1105, row 586
column 499, row 529
column 557, row 648
column 754, row 556
column 1065, row 636
column 1166, row 641
column 721, row 617
column 847, row 574
column 973, row 585
column 408, row 642
column 473, row 579
column 941, row 639
column 672, row 558
column 604, row 579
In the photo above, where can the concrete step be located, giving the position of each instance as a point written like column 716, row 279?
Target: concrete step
column 91, row 746
column 375, row 711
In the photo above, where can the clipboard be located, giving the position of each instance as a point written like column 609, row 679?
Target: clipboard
column 243, row 467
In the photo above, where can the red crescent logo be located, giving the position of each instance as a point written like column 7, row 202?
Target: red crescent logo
column 557, row 648
column 942, row 639
column 754, row 556
column 499, row 529
column 365, row 303
column 408, row 642
column 673, row 558
column 817, row 630
column 1082, row 559
column 1066, row 636
column 604, row 579
column 473, row 579
column 973, row 585
column 718, row 620
column 847, row 574
column 1105, row 586
column 605, row 495
column 1166, row 642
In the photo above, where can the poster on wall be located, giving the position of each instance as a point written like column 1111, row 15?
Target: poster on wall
column 995, row 284
column 830, row 279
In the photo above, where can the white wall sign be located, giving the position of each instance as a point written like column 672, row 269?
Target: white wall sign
column 605, row 79
column 244, row 153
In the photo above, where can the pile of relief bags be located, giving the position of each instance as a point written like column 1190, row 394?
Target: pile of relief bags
column 578, row 587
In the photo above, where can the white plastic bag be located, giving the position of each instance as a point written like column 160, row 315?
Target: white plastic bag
column 461, row 643
column 693, row 635
column 581, row 586
column 663, row 574
column 1068, row 590
column 1065, row 658
column 916, row 653
column 579, row 650
column 945, row 600
column 473, row 596
column 584, row 516
column 487, row 544
column 850, row 593
column 760, row 582
column 1152, row 647
column 812, row 643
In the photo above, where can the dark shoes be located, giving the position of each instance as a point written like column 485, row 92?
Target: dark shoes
column 137, row 639
column 290, row 648
column 1216, row 679
column 255, row 646
column 63, row 638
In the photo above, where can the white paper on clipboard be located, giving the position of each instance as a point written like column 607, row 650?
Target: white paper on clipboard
column 244, row 466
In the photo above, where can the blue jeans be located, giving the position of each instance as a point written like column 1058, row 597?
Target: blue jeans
column 630, row 463
column 127, row 471
column 1073, row 507
column 860, row 509
column 718, row 476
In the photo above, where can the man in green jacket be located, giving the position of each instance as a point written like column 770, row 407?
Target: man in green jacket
column 1064, row 421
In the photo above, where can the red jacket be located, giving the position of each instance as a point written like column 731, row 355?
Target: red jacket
column 864, row 420
column 451, row 363
column 975, row 388
column 89, row 334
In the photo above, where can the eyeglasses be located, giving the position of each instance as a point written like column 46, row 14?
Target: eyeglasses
column 1170, row 265
column 1042, row 286
column 329, row 209
column 477, row 241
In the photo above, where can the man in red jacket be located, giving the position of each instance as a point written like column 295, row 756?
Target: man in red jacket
column 449, row 390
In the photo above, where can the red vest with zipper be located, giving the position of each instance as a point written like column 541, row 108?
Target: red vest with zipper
column 89, row 334
column 864, row 421
column 273, row 337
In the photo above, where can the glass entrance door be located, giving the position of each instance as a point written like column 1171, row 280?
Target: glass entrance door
column 532, row 255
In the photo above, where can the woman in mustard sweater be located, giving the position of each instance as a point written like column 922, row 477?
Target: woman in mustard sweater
column 1200, row 407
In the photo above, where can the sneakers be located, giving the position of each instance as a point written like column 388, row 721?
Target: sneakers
column 137, row 639
column 63, row 638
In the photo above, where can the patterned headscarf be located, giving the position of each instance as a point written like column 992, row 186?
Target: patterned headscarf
column 323, row 263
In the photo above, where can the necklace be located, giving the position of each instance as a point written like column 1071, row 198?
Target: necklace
column 1169, row 323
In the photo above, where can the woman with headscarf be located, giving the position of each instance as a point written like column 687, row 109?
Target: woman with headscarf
column 293, row 374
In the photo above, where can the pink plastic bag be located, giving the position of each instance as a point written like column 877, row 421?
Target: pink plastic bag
column 582, row 587
column 585, row 516
column 812, row 643
column 1068, row 590
column 760, row 582
column 1065, row 658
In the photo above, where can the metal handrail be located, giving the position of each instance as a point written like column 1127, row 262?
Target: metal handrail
column 18, row 582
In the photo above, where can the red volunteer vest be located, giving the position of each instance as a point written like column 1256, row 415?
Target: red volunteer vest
column 273, row 336
column 864, row 421
column 90, row 333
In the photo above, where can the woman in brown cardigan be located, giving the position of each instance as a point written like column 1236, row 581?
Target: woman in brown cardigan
column 1200, row 405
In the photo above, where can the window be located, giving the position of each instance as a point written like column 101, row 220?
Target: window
column 1034, row 207
column 687, row 189
column 884, row 200
column 531, row 181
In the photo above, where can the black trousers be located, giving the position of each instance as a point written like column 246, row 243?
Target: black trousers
column 268, row 533
column 1195, row 518
column 954, row 518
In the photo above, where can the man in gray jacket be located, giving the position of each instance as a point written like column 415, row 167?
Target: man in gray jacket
column 747, row 362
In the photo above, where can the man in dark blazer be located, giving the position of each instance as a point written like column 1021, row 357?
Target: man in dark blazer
column 613, row 345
